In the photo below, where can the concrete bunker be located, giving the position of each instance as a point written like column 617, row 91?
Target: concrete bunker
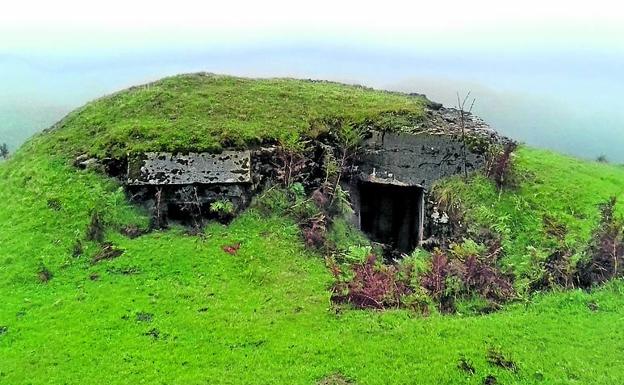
column 188, row 188
column 392, row 179
column 389, row 178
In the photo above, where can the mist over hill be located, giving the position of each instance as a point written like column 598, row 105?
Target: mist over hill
column 560, row 101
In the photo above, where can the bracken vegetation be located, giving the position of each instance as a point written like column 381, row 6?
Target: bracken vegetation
column 606, row 253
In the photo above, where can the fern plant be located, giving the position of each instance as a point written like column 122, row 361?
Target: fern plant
column 222, row 207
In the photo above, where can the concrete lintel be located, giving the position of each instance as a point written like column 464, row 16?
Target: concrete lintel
column 389, row 181
column 162, row 168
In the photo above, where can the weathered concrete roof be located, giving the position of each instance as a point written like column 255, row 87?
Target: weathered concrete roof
column 162, row 168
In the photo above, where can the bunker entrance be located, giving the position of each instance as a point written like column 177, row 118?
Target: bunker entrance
column 392, row 214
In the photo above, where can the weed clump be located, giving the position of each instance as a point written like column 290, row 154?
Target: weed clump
column 54, row 204
column 96, row 228
column 373, row 285
column 223, row 209
column 606, row 253
column 466, row 272
column 132, row 231
column 108, row 251
column 499, row 167
column 144, row 317
column 315, row 231
column 490, row 380
column 496, row 357
column 558, row 270
column 44, row 274
column 466, row 366
column 77, row 249
column 153, row 333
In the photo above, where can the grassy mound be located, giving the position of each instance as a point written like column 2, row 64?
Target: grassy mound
column 179, row 309
column 204, row 112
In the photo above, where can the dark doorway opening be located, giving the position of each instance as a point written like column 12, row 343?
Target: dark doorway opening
column 392, row 214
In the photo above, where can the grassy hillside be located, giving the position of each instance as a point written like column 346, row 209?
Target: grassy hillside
column 205, row 112
column 178, row 309
column 550, row 188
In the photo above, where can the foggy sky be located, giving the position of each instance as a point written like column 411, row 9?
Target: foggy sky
column 548, row 73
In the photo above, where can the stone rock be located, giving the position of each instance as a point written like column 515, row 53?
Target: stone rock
column 83, row 162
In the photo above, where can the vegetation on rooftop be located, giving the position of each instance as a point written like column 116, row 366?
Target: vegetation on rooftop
column 206, row 112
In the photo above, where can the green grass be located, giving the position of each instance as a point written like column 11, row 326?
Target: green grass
column 263, row 315
column 204, row 112
column 177, row 309
column 566, row 189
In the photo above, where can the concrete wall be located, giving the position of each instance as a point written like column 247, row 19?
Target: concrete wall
column 416, row 160
column 190, row 183
column 161, row 168
column 412, row 160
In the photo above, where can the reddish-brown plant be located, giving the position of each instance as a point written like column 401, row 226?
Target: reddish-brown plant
column 449, row 279
column 499, row 167
column 231, row 249
column 607, row 251
column 373, row 286
column 315, row 231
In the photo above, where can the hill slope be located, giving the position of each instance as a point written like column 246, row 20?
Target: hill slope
column 552, row 189
column 204, row 112
column 178, row 309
